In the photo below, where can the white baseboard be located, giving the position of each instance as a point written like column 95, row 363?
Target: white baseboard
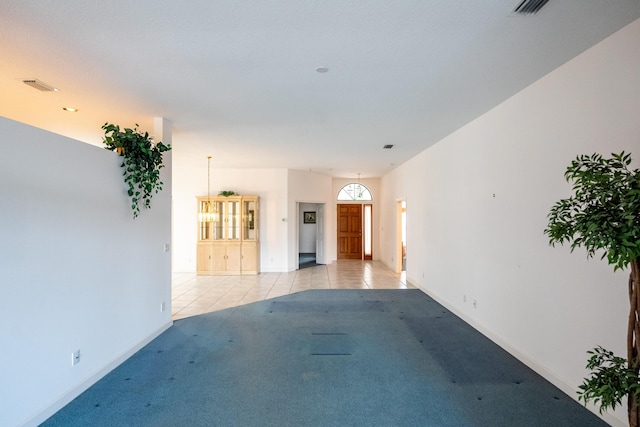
column 550, row 376
column 61, row 402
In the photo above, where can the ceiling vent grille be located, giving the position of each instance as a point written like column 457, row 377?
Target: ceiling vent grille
column 388, row 147
column 529, row 7
column 40, row 85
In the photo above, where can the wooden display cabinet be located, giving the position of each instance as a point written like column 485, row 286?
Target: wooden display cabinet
column 228, row 235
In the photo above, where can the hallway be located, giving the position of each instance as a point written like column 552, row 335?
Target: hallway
column 193, row 295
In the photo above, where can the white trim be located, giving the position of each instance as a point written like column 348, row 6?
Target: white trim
column 62, row 401
column 550, row 376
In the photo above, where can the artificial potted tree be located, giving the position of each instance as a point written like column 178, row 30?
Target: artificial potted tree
column 603, row 216
column 142, row 162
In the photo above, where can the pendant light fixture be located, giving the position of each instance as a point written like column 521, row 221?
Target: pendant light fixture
column 206, row 212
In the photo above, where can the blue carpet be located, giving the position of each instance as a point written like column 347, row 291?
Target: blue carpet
column 324, row 358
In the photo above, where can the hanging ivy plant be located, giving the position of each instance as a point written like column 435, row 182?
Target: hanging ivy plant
column 142, row 162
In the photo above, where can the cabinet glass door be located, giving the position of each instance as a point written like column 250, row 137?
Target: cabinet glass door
column 205, row 228
column 233, row 220
column 250, row 220
column 217, row 220
column 210, row 220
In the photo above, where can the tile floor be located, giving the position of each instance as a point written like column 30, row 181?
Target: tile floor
column 194, row 294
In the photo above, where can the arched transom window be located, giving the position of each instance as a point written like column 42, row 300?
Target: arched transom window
column 354, row 191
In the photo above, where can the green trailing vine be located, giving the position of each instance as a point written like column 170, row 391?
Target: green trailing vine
column 227, row 193
column 142, row 162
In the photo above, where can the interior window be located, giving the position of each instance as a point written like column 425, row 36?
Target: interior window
column 354, row 191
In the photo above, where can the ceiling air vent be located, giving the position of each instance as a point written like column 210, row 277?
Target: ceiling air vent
column 388, row 147
column 529, row 7
column 40, row 85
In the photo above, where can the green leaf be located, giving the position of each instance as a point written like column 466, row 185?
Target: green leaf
column 602, row 214
column 141, row 164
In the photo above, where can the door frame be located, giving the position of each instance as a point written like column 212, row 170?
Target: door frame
column 321, row 240
column 321, row 226
column 399, row 231
column 361, row 208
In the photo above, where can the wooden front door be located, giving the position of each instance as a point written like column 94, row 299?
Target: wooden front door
column 349, row 231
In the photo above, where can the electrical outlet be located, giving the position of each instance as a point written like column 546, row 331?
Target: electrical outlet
column 75, row 358
column 166, row 247
column 475, row 304
column 162, row 307
column 464, row 298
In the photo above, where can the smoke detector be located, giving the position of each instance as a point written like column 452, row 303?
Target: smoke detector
column 40, row 85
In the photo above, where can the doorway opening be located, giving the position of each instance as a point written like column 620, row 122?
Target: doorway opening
column 310, row 235
column 355, row 223
column 355, row 231
column 350, row 231
column 401, row 236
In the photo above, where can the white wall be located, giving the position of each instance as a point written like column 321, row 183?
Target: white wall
column 477, row 204
column 279, row 189
column 269, row 184
column 77, row 271
column 308, row 187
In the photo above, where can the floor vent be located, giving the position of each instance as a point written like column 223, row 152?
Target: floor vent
column 529, row 7
column 388, row 147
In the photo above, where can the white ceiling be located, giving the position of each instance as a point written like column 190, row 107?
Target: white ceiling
column 238, row 80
